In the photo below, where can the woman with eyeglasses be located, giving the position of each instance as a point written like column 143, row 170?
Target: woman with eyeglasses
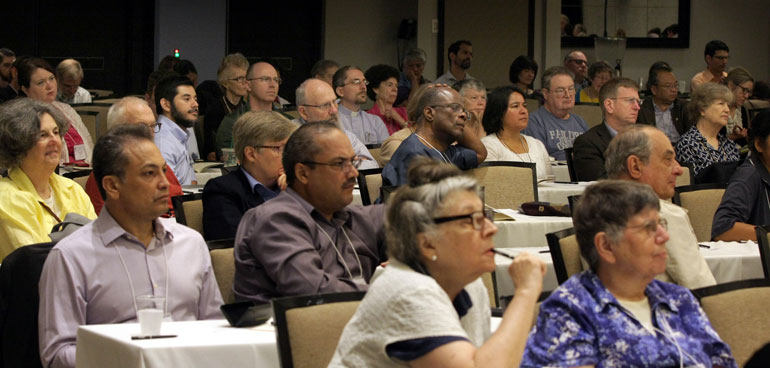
column 231, row 76
column 616, row 314
column 34, row 198
column 383, row 89
column 429, row 308
column 741, row 84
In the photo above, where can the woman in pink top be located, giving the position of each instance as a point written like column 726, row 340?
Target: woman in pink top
column 383, row 89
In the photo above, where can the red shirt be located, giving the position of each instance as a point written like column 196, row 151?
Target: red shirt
column 391, row 124
column 92, row 189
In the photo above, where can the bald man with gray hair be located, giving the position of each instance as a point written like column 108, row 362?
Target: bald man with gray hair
column 69, row 74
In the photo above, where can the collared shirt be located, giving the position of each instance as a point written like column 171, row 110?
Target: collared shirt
column 704, row 77
column 557, row 134
column 282, row 249
column 746, row 198
column 24, row 217
column 394, row 173
column 93, row 275
column 80, row 96
column 613, row 132
column 449, row 79
column 665, row 123
column 259, row 188
column 692, row 147
column 172, row 143
column 368, row 128
column 359, row 148
column 582, row 323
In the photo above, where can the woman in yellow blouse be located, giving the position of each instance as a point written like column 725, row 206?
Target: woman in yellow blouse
column 33, row 197
column 598, row 73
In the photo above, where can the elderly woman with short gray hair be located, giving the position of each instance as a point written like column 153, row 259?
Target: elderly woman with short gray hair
column 616, row 313
column 33, row 197
column 429, row 308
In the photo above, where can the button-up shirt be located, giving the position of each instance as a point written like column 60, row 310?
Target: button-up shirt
column 369, row 128
column 665, row 123
column 172, row 143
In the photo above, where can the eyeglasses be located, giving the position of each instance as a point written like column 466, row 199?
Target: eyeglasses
column 668, row 86
column 745, row 91
column 277, row 149
column 455, row 107
column 241, row 79
column 651, row 226
column 325, row 106
column 357, row 82
column 579, row 62
column 477, row 218
column 562, row 92
column 267, row 79
column 341, row 164
column 155, row 127
column 630, row 100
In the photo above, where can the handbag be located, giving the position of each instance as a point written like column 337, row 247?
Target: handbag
column 544, row 209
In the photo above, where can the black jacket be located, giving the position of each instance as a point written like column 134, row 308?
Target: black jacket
column 225, row 200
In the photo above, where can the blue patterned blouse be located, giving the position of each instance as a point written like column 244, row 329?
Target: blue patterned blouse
column 581, row 323
column 692, row 147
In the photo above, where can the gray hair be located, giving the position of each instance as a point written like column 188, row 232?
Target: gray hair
column 299, row 94
column 552, row 72
column 411, row 209
column 230, row 61
column 116, row 113
column 634, row 140
column 415, row 54
column 703, row 96
column 255, row 128
column 69, row 68
column 20, row 128
column 607, row 206
column 469, row 83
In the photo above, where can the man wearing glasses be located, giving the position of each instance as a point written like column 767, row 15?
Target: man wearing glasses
column 263, row 83
column 350, row 86
column 619, row 100
column 577, row 63
column 310, row 239
column 553, row 123
column 664, row 109
column 716, row 55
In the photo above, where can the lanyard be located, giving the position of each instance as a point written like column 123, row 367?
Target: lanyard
column 131, row 284
column 339, row 255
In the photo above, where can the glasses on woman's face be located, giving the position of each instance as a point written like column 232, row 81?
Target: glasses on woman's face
column 477, row 218
column 651, row 227
column 241, row 79
column 745, row 91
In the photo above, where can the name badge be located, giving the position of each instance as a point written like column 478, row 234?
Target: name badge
column 80, row 152
column 359, row 280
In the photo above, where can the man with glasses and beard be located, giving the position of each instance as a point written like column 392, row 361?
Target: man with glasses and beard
column 177, row 104
column 460, row 54
column 310, row 239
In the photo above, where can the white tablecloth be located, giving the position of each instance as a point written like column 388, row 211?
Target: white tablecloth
column 207, row 175
column 728, row 261
column 199, row 344
column 527, row 231
column 560, row 171
column 557, row 193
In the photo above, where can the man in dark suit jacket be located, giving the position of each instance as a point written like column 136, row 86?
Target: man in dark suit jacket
column 259, row 139
column 663, row 109
column 619, row 101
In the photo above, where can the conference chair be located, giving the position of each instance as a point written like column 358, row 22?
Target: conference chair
column 590, row 112
column 490, row 282
column 189, row 211
column 223, row 263
column 369, row 183
column 572, row 201
column 565, row 254
column 507, row 184
column 79, row 176
column 686, row 178
column 701, row 202
column 738, row 313
column 764, row 248
column 89, row 119
column 308, row 327
column 100, row 120
column 375, row 149
column 532, row 104
column 570, row 164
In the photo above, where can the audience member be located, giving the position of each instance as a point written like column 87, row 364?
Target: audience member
column 522, row 74
column 350, row 86
column 553, row 123
column 37, row 81
column 643, row 154
column 167, row 63
column 716, row 55
column 69, row 74
column 704, row 144
column 231, row 78
column 8, row 89
column 440, row 121
column 94, row 275
column 761, row 91
column 187, row 69
column 324, row 70
column 383, row 89
column 664, row 109
column 411, row 76
column 34, row 198
column 317, row 102
column 616, row 313
column 598, row 73
column 430, row 307
column 310, row 239
column 577, row 63
column 505, row 117
column 260, row 138
column 262, row 90
column 152, row 82
column 474, row 96
column 460, row 54
column 132, row 110
column 390, row 145
column 745, row 203
column 620, row 105
column 741, row 84
column 176, row 102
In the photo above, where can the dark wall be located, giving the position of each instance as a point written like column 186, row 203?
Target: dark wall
column 112, row 40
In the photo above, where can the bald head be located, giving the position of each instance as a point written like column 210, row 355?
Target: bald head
column 130, row 110
column 316, row 101
column 263, row 85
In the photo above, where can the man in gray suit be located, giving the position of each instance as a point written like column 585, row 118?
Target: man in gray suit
column 663, row 109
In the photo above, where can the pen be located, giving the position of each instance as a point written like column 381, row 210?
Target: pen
column 151, row 337
column 704, row 246
column 506, row 255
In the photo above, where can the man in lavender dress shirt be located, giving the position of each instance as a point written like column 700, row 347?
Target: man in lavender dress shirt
column 94, row 275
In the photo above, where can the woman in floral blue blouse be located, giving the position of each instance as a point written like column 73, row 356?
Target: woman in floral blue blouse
column 616, row 314
column 704, row 144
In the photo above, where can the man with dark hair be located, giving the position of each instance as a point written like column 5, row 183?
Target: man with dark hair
column 716, row 55
column 577, row 63
column 664, row 109
column 460, row 54
column 440, row 122
column 177, row 105
column 7, row 90
column 94, row 275
column 324, row 70
column 350, row 86
column 619, row 101
column 187, row 69
column 310, row 239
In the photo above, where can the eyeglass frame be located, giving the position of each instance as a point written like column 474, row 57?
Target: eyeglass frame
column 486, row 214
column 746, row 91
column 572, row 91
column 156, row 127
column 324, row 106
column 648, row 226
column 277, row 149
column 452, row 107
column 241, row 79
column 357, row 82
column 265, row 79
column 628, row 99
column 343, row 165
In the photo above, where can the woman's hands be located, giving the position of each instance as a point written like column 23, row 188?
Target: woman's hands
column 527, row 272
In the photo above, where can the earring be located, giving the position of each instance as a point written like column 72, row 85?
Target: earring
column 434, row 258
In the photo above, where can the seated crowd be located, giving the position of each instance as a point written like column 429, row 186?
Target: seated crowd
column 287, row 204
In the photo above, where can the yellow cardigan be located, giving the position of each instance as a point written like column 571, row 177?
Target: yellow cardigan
column 24, row 217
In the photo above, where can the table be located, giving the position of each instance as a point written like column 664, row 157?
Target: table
column 728, row 261
column 560, row 171
column 199, row 344
column 207, row 175
column 557, row 193
column 527, row 231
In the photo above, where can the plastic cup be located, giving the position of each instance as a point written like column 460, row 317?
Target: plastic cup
column 149, row 312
